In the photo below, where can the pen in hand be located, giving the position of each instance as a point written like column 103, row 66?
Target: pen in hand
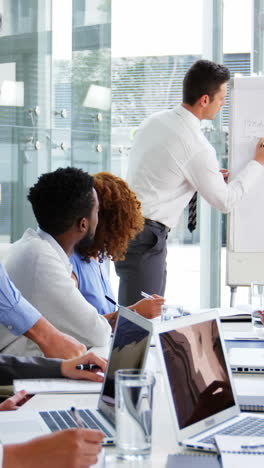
column 112, row 301
column 147, row 296
column 89, row 367
column 77, row 418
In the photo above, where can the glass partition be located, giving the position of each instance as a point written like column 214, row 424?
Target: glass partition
column 25, row 58
column 55, row 104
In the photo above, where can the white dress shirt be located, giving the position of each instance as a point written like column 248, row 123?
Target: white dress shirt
column 40, row 268
column 171, row 159
column 1, row 456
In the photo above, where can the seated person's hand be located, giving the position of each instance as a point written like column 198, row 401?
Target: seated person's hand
column 68, row 367
column 149, row 307
column 14, row 402
column 76, row 448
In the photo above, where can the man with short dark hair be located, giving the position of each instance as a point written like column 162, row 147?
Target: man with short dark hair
column 203, row 78
column 170, row 161
column 66, row 208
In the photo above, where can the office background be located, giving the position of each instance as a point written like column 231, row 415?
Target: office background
column 61, row 62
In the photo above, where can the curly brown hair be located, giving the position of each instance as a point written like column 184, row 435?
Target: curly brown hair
column 120, row 218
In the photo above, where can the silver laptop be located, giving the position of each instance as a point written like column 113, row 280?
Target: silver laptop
column 129, row 349
column 199, row 382
column 246, row 360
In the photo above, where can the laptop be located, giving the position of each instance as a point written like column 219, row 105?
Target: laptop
column 129, row 349
column 199, row 382
column 246, row 360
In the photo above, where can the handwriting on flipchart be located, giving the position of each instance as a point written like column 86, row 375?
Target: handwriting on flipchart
column 254, row 127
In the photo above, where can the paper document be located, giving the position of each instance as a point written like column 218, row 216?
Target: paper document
column 34, row 386
column 242, row 336
column 230, row 313
column 241, row 451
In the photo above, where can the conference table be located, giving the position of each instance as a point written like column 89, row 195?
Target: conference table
column 163, row 435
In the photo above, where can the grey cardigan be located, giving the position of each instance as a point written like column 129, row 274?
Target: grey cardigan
column 12, row 367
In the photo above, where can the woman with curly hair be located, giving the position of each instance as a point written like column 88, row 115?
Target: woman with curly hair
column 120, row 220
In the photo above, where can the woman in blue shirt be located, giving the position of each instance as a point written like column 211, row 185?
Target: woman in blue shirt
column 120, row 220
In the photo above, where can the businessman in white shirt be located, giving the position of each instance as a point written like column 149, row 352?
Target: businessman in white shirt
column 170, row 160
column 66, row 208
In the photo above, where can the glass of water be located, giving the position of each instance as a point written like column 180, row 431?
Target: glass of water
column 168, row 312
column 134, row 401
column 257, row 305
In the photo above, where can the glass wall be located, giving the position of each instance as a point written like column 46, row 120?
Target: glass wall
column 25, row 59
column 91, row 85
column 55, row 100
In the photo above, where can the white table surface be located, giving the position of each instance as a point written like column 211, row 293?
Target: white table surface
column 163, row 439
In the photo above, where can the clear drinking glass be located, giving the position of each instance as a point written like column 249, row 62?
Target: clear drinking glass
column 168, row 312
column 257, row 304
column 134, row 401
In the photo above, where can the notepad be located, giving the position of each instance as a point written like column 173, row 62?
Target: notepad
column 233, row 454
column 34, row 386
column 233, row 313
column 193, row 460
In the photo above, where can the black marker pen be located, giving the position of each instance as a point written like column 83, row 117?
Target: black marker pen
column 88, row 367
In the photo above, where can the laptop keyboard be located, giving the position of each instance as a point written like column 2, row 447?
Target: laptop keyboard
column 246, row 427
column 57, row 420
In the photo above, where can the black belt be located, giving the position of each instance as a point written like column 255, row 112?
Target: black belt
column 150, row 222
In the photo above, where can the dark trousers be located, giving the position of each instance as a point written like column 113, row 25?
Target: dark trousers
column 144, row 268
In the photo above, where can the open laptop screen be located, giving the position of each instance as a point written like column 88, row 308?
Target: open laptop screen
column 197, row 371
column 128, row 352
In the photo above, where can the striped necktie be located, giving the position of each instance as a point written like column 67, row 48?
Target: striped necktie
column 192, row 213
